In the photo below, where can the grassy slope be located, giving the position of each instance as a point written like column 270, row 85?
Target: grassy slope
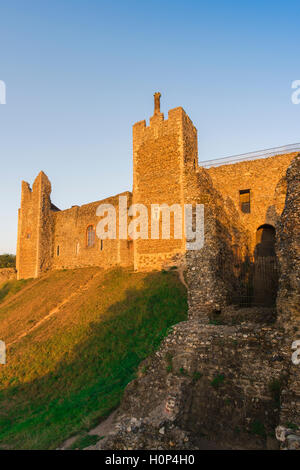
column 72, row 369
column 10, row 288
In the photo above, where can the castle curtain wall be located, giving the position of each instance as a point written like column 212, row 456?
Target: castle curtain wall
column 70, row 247
column 238, row 199
column 265, row 180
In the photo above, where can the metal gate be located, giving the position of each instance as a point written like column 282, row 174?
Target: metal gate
column 256, row 282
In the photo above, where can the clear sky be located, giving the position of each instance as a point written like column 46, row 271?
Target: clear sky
column 79, row 73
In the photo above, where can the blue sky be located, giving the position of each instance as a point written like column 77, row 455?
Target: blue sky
column 79, row 73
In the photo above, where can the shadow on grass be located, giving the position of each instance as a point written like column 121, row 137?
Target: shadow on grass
column 10, row 288
column 90, row 381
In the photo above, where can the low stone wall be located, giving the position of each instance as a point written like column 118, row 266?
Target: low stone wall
column 218, row 383
column 7, row 273
column 211, row 272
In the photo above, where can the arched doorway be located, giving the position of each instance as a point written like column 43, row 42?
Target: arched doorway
column 265, row 279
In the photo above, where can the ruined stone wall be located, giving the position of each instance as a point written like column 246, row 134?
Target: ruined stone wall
column 165, row 170
column 207, row 387
column 34, row 229
column 52, row 239
column 288, row 299
column 212, row 272
column 288, row 251
column 70, row 247
column 266, row 180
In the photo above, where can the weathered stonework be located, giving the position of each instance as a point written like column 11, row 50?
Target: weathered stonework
column 34, row 229
column 52, row 239
column 227, row 385
column 266, row 180
column 70, row 232
column 288, row 300
column 207, row 386
column 227, row 371
column 165, row 171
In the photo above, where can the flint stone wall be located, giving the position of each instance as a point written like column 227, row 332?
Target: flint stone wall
column 288, row 300
column 217, row 383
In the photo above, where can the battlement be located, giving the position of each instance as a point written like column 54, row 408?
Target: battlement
column 176, row 116
column 161, row 153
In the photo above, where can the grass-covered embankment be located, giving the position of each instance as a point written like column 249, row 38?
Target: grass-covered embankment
column 70, row 371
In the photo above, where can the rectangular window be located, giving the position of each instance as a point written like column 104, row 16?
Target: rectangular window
column 90, row 236
column 101, row 245
column 245, row 200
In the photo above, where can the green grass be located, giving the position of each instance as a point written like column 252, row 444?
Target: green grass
column 257, row 428
column 218, row 381
column 275, row 387
column 69, row 373
column 197, row 376
column 292, row 426
column 10, row 288
column 169, row 361
column 85, row 441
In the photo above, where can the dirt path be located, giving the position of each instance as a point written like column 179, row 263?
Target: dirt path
column 56, row 309
column 180, row 271
column 12, row 298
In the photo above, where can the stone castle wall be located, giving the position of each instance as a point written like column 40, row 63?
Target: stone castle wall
column 165, row 170
column 266, row 180
column 219, row 384
column 52, row 239
column 212, row 273
column 288, row 299
column 158, row 162
column 220, row 373
column 70, row 247
column 226, row 385
column 34, row 229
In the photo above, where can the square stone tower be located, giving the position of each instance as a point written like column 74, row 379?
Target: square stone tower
column 163, row 152
column 34, row 247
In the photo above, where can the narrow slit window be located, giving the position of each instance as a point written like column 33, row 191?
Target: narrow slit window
column 101, row 245
column 245, row 200
column 77, row 248
column 57, row 250
column 90, row 236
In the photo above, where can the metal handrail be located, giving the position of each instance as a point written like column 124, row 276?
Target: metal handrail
column 251, row 155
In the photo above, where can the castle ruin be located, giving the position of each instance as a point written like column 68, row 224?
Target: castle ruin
column 247, row 270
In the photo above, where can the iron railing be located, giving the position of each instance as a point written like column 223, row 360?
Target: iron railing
column 251, row 156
